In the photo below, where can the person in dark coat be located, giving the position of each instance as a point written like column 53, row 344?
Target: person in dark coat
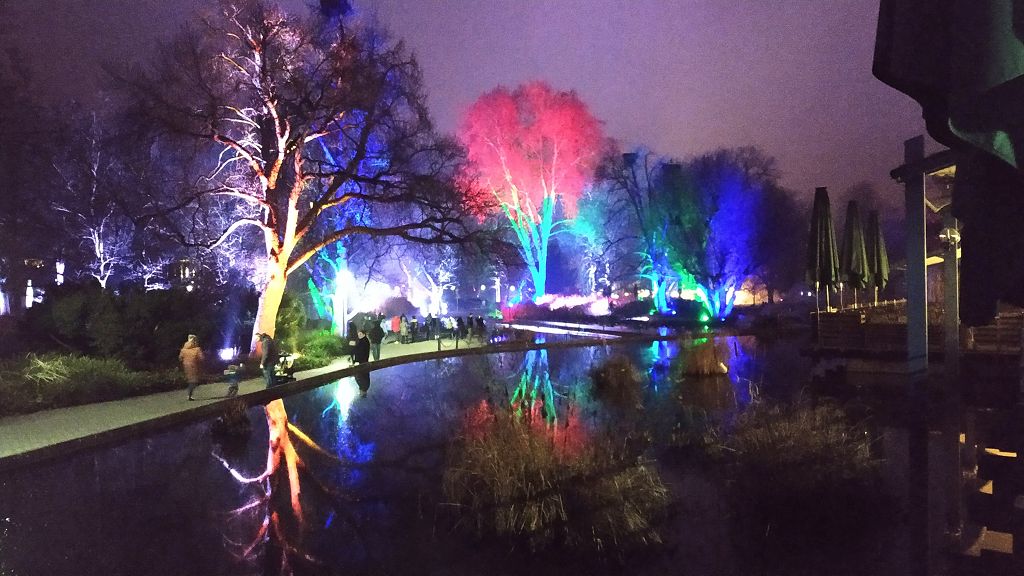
column 460, row 327
column 268, row 360
column 414, row 328
column 361, row 355
column 376, row 336
column 428, row 325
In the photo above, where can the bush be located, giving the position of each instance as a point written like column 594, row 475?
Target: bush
column 291, row 317
column 311, row 362
column 617, row 382
column 43, row 382
column 703, row 357
column 143, row 329
column 803, row 471
column 322, row 343
column 510, row 478
column 318, row 348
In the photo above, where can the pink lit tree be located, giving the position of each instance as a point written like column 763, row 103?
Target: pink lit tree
column 530, row 147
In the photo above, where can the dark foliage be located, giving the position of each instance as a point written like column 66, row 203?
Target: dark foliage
column 617, row 382
column 143, row 329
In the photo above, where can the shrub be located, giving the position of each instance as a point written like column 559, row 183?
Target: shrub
column 322, row 343
column 318, row 348
column 802, row 471
column 42, row 382
column 617, row 382
column 512, row 479
column 703, row 358
column 144, row 329
column 291, row 317
column 311, row 362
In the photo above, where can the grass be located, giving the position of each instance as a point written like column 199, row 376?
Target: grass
column 703, row 357
column 617, row 382
column 42, row 382
column 513, row 478
column 802, row 473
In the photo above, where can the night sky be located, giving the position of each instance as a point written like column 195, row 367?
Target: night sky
column 682, row 77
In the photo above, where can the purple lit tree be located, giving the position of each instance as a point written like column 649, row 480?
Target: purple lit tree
column 288, row 121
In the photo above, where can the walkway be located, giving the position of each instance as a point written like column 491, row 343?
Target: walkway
column 51, row 433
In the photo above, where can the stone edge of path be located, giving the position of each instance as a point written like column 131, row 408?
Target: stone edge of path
column 302, row 384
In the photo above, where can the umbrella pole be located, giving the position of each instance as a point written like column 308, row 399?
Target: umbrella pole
column 841, row 291
column 854, row 297
column 828, row 302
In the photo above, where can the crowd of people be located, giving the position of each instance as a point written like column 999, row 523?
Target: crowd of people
column 406, row 330
column 365, row 343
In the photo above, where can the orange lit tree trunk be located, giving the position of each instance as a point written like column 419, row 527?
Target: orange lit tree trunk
column 298, row 125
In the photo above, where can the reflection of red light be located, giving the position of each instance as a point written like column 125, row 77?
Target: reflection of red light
column 478, row 420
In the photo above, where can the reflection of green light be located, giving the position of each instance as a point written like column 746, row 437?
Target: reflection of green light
column 704, row 317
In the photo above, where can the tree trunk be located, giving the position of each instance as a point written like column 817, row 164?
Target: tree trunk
column 270, row 301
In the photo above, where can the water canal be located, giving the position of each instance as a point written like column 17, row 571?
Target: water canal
column 371, row 468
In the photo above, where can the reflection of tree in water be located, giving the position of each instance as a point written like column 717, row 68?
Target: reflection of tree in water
column 533, row 395
column 274, row 523
column 275, row 504
column 659, row 357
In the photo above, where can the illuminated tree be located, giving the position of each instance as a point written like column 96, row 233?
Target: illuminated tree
column 720, row 246
column 287, row 122
column 530, row 147
column 658, row 209
column 88, row 170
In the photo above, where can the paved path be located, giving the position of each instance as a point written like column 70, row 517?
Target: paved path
column 51, row 433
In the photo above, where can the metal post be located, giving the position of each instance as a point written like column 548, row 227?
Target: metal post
column 951, row 298
column 917, row 275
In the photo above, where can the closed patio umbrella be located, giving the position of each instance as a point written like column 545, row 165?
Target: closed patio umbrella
column 878, row 257
column 853, row 258
column 822, row 254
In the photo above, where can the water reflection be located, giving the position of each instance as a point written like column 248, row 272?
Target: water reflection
column 329, row 482
column 533, row 395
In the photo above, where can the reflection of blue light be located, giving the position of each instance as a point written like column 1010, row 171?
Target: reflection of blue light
column 660, row 358
column 741, row 366
column 348, row 445
column 662, row 330
column 330, row 519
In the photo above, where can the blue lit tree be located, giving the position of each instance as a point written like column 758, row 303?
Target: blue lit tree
column 720, row 246
column 655, row 205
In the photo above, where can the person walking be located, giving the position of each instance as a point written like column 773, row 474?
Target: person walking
column 376, row 336
column 403, row 329
column 268, row 359
column 191, row 358
column 414, row 328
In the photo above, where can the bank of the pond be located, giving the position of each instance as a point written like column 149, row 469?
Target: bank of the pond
column 31, row 438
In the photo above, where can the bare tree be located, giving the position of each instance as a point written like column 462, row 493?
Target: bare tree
column 87, row 172
column 292, row 121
